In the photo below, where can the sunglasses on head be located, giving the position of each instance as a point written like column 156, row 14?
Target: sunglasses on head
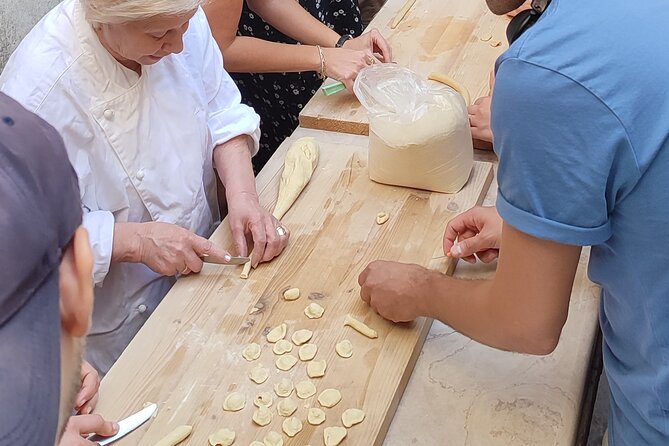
column 525, row 19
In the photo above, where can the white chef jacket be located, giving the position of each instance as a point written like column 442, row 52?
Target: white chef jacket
column 141, row 145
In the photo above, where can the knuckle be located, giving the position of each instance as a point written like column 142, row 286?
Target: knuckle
column 97, row 419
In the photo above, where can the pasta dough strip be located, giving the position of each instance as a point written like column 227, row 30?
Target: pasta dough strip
column 360, row 327
column 179, row 434
column 453, row 84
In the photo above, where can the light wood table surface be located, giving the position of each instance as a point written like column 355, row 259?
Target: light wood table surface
column 453, row 37
column 460, row 392
column 187, row 357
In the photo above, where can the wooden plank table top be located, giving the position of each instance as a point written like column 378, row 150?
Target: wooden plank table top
column 187, row 357
column 453, row 37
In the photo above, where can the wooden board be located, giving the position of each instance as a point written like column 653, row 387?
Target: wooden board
column 435, row 36
column 187, row 357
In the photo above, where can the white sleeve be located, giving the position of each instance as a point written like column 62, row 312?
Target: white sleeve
column 228, row 117
column 100, row 227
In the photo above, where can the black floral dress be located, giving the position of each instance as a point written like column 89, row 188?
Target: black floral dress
column 279, row 97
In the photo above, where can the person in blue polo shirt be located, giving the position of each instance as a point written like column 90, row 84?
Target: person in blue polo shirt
column 580, row 118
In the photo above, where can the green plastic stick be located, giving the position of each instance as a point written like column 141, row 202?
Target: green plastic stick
column 331, row 89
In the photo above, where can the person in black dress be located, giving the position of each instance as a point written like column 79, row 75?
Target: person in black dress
column 280, row 51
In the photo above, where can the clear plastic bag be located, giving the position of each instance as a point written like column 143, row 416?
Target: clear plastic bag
column 419, row 132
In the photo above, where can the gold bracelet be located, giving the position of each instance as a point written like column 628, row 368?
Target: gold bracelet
column 322, row 74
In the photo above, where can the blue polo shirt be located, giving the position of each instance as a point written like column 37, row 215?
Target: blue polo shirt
column 580, row 116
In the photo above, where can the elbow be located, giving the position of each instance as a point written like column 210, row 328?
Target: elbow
column 254, row 6
column 539, row 342
column 541, row 347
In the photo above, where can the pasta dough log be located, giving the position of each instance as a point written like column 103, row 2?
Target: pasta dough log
column 179, row 434
column 298, row 167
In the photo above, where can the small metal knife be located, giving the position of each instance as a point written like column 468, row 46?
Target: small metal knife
column 233, row 260
column 127, row 425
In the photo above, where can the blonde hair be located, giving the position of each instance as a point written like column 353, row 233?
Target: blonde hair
column 120, row 11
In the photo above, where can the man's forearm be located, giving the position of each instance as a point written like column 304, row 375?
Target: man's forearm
column 482, row 311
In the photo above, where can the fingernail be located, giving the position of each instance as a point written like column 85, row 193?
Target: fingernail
column 456, row 250
column 227, row 257
column 115, row 424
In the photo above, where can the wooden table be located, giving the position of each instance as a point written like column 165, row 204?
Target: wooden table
column 453, row 37
column 460, row 392
column 187, row 357
column 474, row 395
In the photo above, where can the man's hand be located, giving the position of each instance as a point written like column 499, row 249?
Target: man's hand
column 479, row 122
column 395, row 290
column 87, row 397
column 478, row 233
column 81, row 426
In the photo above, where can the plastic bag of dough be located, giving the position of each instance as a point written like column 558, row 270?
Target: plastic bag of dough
column 418, row 130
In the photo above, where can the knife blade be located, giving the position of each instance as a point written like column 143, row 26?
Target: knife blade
column 233, row 260
column 126, row 425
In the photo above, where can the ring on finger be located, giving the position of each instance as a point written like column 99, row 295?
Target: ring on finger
column 370, row 60
column 281, row 231
column 185, row 271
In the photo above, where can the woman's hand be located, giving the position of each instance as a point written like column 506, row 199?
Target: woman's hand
column 345, row 63
column 247, row 217
column 87, row 397
column 81, row 426
column 372, row 42
column 478, row 232
column 166, row 248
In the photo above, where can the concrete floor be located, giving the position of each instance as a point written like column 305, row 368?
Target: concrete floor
column 600, row 414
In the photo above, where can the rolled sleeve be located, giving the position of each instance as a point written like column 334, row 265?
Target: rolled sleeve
column 564, row 158
column 227, row 116
column 545, row 228
column 100, row 227
column 237, row 119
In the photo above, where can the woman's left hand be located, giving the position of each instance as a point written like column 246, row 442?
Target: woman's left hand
column 269, row 236
column 87, row 397
column 373, row 42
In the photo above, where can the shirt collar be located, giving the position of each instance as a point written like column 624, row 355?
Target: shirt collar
column 96, row 56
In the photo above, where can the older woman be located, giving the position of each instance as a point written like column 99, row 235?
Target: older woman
column 138, row 91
